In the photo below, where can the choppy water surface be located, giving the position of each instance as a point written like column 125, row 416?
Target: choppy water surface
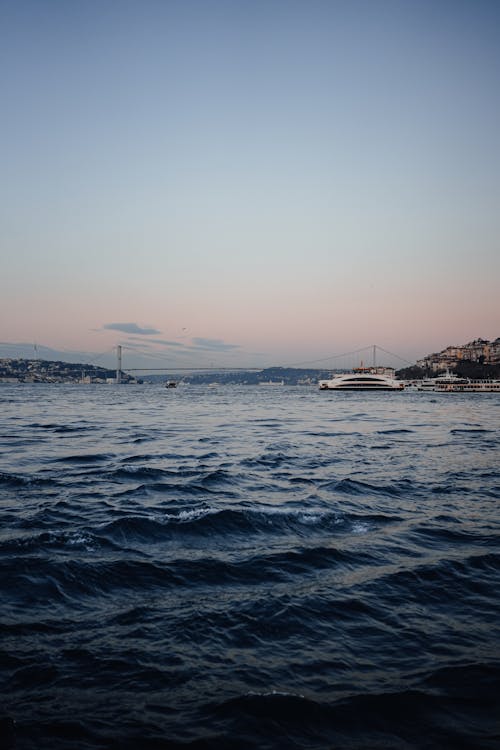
column 248, row 567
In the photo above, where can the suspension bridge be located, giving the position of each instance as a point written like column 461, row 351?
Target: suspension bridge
column 368, row 356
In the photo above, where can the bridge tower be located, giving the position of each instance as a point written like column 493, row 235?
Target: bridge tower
column 118, row 364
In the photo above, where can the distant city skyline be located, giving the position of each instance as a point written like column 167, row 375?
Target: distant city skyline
column 249, row 184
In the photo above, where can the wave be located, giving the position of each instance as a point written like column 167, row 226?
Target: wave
column 84, row 458
column 206, row 521
column 56, row 427
column 465, row 584
column 21, row 480
column 437, row 537
column 395, row 431
column 468, row 430
column 357, row 487
column 42, row 580
column 416, row 717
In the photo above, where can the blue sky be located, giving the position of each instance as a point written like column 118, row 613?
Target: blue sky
column 279, row 180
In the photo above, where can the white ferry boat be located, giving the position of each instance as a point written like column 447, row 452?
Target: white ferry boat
column 363, row 379
column 470, row 386
column 446, row 379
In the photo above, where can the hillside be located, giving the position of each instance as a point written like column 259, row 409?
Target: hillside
column 47, row 371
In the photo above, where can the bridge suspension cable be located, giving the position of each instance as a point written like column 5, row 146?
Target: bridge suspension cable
column 373, row 348
column 214, row 368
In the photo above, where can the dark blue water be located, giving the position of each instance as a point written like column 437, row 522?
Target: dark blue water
column 247, row 567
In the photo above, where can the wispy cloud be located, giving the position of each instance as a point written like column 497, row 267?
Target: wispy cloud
column 131, row 328
column 214, row 345
column 191, row 346
column 164, row 342
column 176, row 353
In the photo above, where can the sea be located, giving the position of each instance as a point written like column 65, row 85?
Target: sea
column 248, row 568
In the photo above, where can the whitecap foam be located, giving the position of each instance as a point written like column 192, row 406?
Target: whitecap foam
column 310, row 518
column 360, row 527
column 186, row 516
column 81, row 539
column 73, row 539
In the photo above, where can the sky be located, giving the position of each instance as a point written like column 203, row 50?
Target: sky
column 248, row 182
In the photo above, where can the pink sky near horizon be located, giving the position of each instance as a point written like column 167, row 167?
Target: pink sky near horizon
column 274, row 329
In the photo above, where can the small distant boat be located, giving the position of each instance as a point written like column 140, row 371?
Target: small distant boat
column 363, row 379
column 271, row 382
column 170, row 384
